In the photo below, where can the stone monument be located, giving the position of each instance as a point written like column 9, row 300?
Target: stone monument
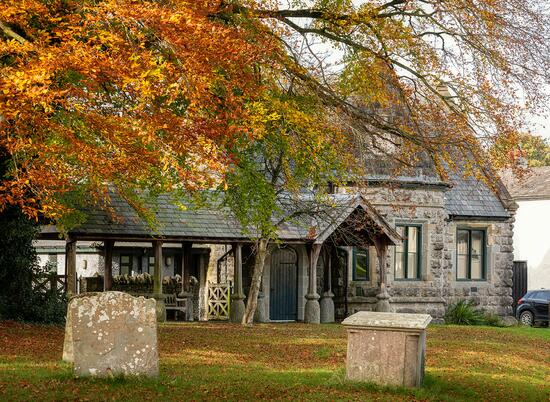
column 386, row 348
column 111, row 333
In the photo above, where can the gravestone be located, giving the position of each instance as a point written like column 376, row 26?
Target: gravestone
column 386, row 348
column 111, row 333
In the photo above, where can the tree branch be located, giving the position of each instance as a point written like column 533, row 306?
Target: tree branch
column 12, row 34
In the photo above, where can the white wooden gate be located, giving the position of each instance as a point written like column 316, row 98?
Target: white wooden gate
column 218, row 301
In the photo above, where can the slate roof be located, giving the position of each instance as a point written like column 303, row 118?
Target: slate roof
column 534, row 185
column 469, row 197
column 465, row 197
column 217, row 224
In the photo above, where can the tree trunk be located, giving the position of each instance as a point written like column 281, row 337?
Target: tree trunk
column 259, row 264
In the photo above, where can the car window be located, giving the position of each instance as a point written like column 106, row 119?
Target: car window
column 540, row 295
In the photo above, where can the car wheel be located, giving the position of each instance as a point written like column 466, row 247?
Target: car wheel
column 526, row 318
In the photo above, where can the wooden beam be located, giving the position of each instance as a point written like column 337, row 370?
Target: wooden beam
column 186, row 262
column 70, row 266
column 157, row 275
column 108, row 257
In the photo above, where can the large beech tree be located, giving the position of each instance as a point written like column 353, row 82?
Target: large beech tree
column 154, row 94
column 172, row 95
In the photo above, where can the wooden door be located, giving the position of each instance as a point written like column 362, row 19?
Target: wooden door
column 283, row 285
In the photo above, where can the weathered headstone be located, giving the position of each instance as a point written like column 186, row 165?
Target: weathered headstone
column 111, row 333
column 386, row 348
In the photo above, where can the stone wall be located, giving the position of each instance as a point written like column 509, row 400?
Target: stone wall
column 437, row 286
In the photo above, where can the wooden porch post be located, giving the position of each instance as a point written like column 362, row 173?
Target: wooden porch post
column 327, row 302
column 108, row 257
column 185, row 283
column 383, row 303
column 312, row 314
column 157, row 281
column 237, row 298
column 70, row 266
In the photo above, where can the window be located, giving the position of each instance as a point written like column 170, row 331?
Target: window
column 541, row 295
column 470, row 254
column 151, row 265
column 407, row 254
column 52, row 262
column 125, row 264
column 360, row 264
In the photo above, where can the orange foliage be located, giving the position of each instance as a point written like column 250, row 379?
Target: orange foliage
column 132, row 93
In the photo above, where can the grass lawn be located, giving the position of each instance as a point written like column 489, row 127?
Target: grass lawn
column 210, row 361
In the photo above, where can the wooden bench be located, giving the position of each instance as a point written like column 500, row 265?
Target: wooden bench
column 174, row 303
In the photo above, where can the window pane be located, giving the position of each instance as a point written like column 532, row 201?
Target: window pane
column 125, row 259
column 462, row 242
column 462, row 269
column 477, row 243
column 401, row 231
column 361, row 265
column 399, row 266
column 477, row 270
column 477, row 254
column 412, row 268
column 413, row 238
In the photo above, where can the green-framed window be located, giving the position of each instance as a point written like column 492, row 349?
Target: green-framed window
column 360, row 264
column 408, row 254
column 125, row 264
column 470, row 254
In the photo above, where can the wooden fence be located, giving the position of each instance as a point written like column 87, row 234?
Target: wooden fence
column 219, row 299
column 50, row 282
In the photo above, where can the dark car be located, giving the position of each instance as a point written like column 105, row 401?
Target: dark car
column 533, row 307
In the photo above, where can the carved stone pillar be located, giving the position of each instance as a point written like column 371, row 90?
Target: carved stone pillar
column 237, row 298
column 327, row 302
column 260, row 315
column 185, row 280
column 157, row 282
column 312, row 314
column 383, row 303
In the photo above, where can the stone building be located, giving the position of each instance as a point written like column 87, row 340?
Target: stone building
column 439, row 242
column 457, row 245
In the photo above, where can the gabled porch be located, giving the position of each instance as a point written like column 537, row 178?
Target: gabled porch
column 297, row 279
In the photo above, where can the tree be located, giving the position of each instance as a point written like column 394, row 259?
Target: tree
column 130, row 94
column 283, row 175
column 536, row 150
column 421, row 76
column 169, row 95
column 18, row 267
column 142, row 94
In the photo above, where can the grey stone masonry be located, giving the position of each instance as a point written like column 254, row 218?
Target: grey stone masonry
column 437, row 285
column 111, row 333
column 386, row 348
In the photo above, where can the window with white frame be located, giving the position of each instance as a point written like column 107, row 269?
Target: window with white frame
column 408, row 263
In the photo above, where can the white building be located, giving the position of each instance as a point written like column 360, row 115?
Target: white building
column 532, row 225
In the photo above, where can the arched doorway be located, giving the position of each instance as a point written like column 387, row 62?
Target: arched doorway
column 283, row 285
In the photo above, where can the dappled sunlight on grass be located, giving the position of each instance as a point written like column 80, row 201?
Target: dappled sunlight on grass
column 209, row 361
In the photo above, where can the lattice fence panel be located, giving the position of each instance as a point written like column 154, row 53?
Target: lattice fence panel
column 219, row 301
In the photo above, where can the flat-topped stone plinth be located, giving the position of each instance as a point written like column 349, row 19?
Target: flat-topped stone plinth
column 386, row 348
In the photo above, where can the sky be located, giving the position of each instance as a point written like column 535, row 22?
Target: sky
column 541, row 126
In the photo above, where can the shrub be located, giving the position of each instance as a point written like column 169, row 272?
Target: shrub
column 492, row 320
column 464, row 313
